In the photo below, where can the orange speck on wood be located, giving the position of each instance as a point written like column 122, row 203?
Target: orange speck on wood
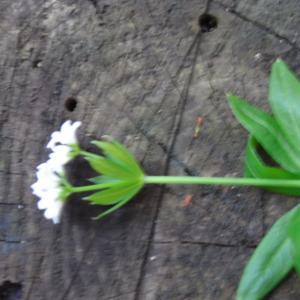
column 187, row 201
column 199, row 124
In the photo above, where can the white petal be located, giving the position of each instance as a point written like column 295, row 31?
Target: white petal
column 54, row 193
column 65, row 126
column 37, row 193
column 53, row 208
column 55, row 139
column 75, row 126
column 39, row 189
column 55, row 163
column 54, row 211
column 58, row 167
column 68, row 133
column 50, row 195
column 43, row 173
column 49, row 214
column 48, row 182
column 56, row 219
column 36, row 186
column 61, row 149
column 42, row 204
column 42, row 166
column 47, row 178
column 60, row 156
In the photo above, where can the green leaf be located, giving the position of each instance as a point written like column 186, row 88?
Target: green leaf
column 103, row 179
column 270, row 262
column 127, row 197
column 284, row 98
column 267, row 132
column 119, row 154
column 112, row 195
column 106, row 167
column 117, row 163
column 256, row 168
column 294, row 234
column 121, row 176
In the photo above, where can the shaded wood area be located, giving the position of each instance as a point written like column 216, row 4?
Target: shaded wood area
column 140, row 71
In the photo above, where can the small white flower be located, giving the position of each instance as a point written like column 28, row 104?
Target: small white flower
column 52, row 204
column 49, row 187
column 66, row 135
column 59, row 157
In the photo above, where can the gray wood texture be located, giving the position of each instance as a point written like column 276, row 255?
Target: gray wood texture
column 142, row 72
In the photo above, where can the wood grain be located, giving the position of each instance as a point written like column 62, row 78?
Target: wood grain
column 142, row 72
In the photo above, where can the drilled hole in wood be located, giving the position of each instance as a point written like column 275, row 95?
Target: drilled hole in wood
column 71, row 104
column 208, row 22
column 10, row 290
column 37, row 63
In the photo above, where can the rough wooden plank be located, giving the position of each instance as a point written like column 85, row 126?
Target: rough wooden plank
column 180, row 271
column 221, row 216
column 141, row 72
column 281, row 19
column 62, row 50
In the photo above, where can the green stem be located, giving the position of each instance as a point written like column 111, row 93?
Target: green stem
column 288, row 183
column 222, row 181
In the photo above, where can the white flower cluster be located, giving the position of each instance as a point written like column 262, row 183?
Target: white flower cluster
column 48, row 186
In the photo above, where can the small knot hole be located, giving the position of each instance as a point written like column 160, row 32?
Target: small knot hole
column 207, row 22
column 71, row 104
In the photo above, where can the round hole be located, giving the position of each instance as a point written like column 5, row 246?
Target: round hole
column 37, row 63
column 71, row 104
column 208, row 23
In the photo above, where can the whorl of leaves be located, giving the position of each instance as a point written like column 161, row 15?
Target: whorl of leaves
column 120, row 176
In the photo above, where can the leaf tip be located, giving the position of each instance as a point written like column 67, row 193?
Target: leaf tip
column 228, row 95
column 278, row 64
column 94, row 142
column 100, row 216
column 232, row 99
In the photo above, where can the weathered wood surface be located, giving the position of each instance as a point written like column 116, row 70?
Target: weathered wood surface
column 142, row 72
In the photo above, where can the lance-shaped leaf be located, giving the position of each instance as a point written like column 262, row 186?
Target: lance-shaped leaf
column 284, row 98
column 294, row 234
column 268, row 133
column 119, row 154
column 255, row 167
column 270, row 262
column 114, row 194
column 106, row 166
column 126, row 198
column 103, row 179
